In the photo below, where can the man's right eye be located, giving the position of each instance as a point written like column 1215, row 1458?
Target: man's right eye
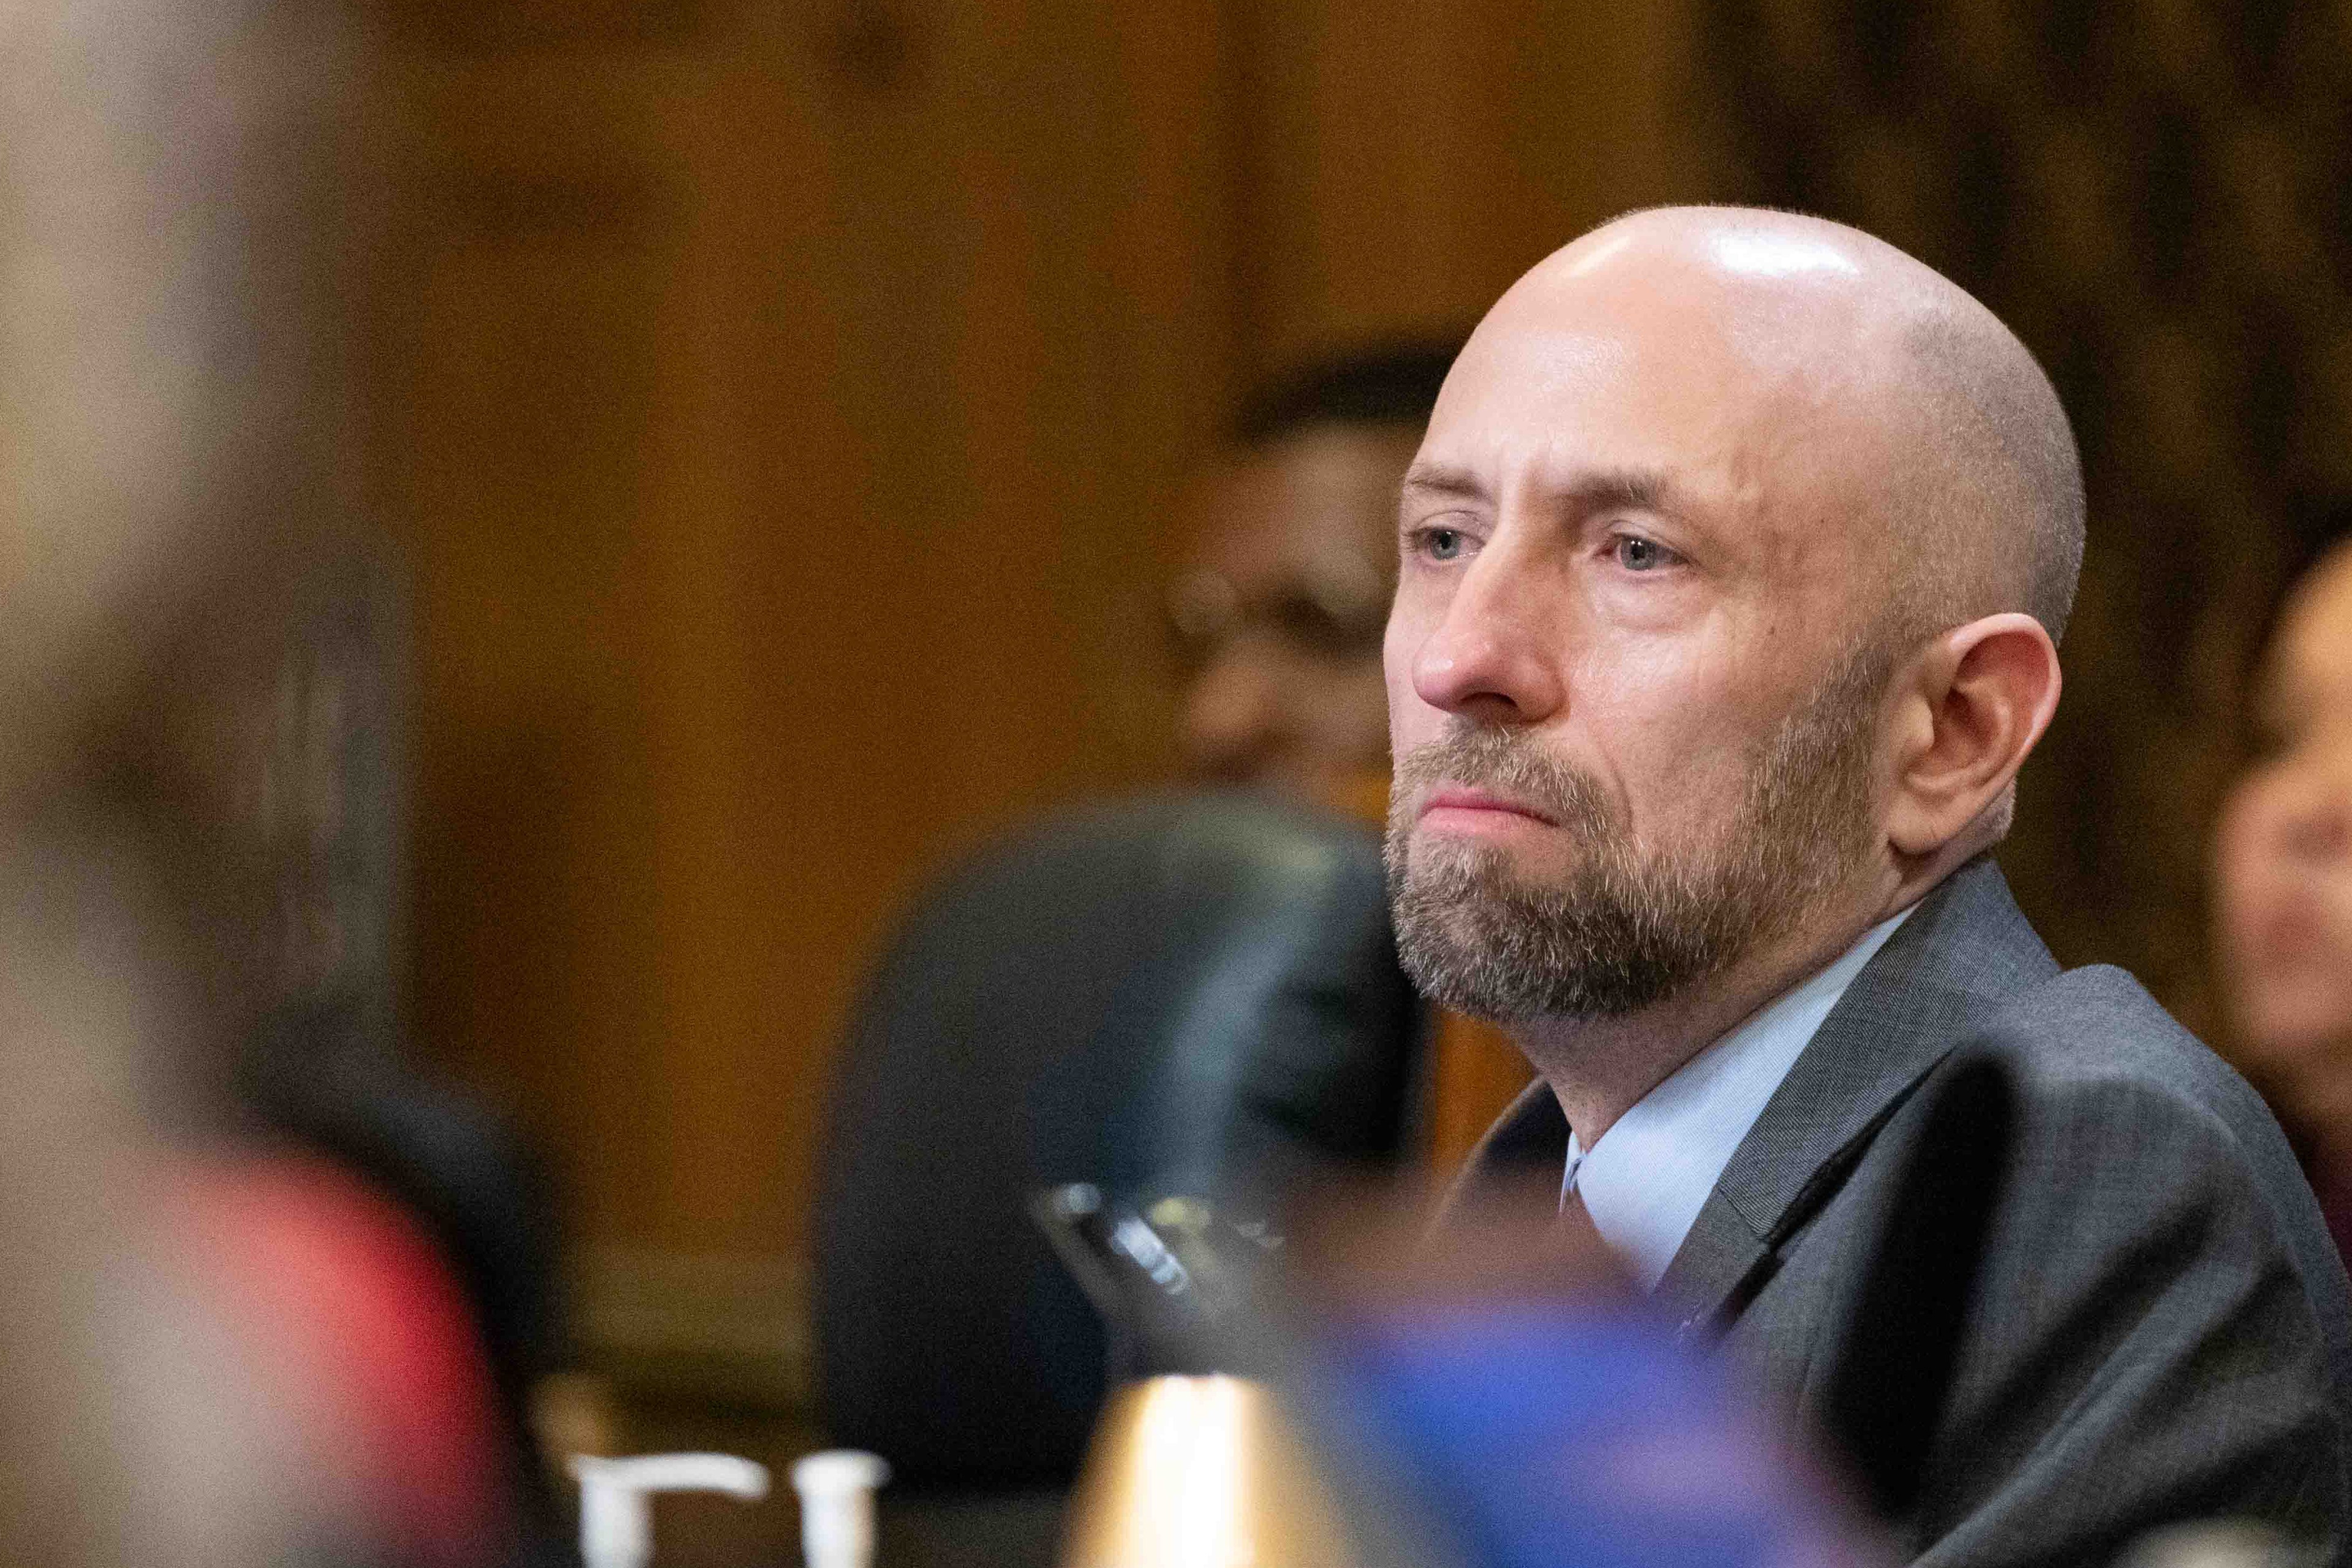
column 1442, row 543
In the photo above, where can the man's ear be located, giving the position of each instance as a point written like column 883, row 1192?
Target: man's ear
column 1981, row 697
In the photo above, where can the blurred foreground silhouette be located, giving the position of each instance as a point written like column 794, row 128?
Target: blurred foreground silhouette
column 222, row 1349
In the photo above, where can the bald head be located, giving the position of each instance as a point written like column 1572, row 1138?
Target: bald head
column 1905, row 402
column 1994, row 519
column 1731, row 567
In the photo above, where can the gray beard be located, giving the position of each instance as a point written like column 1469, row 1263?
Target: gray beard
column 1627, row 929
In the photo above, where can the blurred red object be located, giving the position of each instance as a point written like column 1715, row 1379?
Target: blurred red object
column 374, row 1354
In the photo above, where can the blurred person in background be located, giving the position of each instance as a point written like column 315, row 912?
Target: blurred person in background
column 1276, row 620
column 1291, row 556
column 222, row 1349
column 2283, row 883
column 1736, row 558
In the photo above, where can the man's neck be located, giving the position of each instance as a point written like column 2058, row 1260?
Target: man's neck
column 1599, row 1068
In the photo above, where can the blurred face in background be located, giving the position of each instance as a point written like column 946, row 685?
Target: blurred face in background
column 2283, row 863
column 1278, row 616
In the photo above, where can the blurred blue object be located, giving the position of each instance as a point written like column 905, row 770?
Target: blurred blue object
column 1544, row 1434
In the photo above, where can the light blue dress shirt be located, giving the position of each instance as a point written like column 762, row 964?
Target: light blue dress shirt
column 1645, row 1180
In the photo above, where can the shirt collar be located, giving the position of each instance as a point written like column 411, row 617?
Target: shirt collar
column 1647, row 1178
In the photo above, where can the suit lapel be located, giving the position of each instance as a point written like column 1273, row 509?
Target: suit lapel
column 1965, row 949
column 1530, row 1137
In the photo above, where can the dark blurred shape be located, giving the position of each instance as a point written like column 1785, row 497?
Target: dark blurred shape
column 1890, row 1381
column 1276, row 616
column 1195, row 992
column 1153, row 1310
column 1383, row 383
column 1169, row 1278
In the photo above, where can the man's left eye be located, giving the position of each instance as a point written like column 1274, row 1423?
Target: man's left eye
column 1638, row 554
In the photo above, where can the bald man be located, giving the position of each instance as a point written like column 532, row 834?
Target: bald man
column 1734, row 564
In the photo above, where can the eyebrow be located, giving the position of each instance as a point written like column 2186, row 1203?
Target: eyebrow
column 1437, row 479
column 1637, row 489
column 1640, row 489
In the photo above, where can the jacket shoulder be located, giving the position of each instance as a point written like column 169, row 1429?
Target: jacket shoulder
column 2095, row 1034
column 2091, row 1049
column 2160, row 1325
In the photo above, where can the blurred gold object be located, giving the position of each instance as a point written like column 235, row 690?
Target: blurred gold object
column 573, row 1413
column 1200, row 1472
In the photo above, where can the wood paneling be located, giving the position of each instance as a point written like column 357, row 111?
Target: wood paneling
column 781, row 463
column 531, row 392
column 1405, row 159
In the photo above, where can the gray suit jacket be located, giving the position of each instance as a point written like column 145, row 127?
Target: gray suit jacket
column 2161, row 1329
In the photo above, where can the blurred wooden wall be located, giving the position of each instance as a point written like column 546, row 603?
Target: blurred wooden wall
column 780, row 401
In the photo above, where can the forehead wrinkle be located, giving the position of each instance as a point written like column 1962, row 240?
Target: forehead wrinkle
column 1443, row 480
column 1563, row 475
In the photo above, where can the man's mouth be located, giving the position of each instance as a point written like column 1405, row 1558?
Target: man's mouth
column 1465, row 805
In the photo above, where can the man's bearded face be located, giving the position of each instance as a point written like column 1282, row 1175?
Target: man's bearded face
column 1630, row 924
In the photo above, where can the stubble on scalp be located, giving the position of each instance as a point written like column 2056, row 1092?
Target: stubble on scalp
column 1629, row 925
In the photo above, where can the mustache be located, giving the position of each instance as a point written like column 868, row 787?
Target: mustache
column 1507, row 762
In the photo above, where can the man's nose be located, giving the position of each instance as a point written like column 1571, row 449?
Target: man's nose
column 1492, row 658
